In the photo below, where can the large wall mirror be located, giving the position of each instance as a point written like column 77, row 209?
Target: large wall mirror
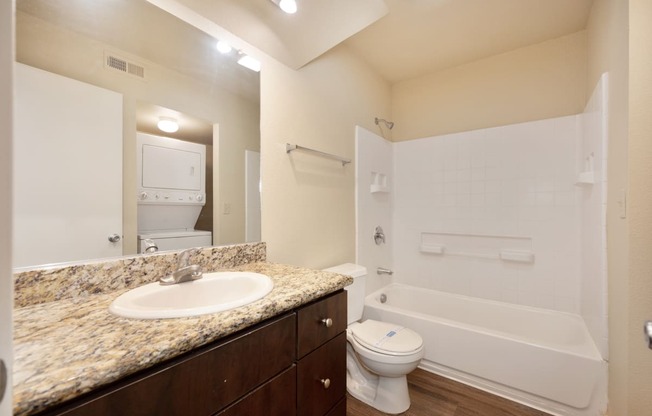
column 172, row 70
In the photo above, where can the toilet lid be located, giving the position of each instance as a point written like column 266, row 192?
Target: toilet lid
column 386, row 338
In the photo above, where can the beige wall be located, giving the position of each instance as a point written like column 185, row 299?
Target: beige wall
column 308, row 202
column 608, row 52
column 69, row 54
column 531, row 83
column 639, row 216
column 6, row 121
column 235, row 138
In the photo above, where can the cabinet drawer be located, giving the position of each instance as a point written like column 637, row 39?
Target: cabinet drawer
column 313, row 326
column 274, row 398
column 321, row 378
column 200, row 383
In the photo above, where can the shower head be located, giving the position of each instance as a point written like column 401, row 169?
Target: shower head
column 389, row 124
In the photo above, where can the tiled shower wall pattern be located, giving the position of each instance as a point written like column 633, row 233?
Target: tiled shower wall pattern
column 511, row 181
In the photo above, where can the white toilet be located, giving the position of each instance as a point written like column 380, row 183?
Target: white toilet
column 379, row 354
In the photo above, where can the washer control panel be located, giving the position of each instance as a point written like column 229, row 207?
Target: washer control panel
column 151, row 196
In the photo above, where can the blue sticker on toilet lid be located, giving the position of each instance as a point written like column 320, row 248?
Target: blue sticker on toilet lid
column 386, row 337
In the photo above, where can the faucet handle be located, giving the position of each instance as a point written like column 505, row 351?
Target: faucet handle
column 183, row 258
column 185, row 274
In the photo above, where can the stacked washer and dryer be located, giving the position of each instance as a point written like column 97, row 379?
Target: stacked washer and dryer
column 171, row 193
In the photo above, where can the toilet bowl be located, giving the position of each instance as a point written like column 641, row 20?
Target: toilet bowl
column 379, row 354
column 376, row 370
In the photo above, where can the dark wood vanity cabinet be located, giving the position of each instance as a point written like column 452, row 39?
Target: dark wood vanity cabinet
column 290, row 365
column 274, row 398
column 321, row 353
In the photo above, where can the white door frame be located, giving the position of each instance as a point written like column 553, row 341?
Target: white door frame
column 6, row 132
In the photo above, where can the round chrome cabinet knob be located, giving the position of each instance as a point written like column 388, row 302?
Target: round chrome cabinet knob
column 328, row 322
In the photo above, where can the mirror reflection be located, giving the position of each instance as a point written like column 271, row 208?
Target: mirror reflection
column 109, row 69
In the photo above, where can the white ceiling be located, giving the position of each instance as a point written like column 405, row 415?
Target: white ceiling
column 418, row 37
column 293, row 39
column 400, row 39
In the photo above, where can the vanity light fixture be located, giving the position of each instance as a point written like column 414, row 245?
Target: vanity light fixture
column 288, row 6
column 168, row 124
column 223, row 46
column 249, row 62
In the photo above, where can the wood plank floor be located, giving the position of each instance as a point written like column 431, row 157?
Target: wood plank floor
column 433, row 395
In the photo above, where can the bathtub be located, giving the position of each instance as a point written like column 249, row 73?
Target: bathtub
column 534, row 356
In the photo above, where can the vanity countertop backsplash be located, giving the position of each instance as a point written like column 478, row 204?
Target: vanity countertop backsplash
column 66, row 342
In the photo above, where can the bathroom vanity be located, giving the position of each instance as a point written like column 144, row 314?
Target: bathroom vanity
column 282, row 355
column 290, row 365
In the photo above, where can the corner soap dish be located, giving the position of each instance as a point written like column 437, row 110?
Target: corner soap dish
column 379, row 183
column 585, row 178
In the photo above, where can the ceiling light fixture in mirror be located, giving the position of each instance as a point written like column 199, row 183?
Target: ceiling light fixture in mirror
column 288, row 6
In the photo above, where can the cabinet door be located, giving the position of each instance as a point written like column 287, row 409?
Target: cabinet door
column 204, row 382
column 313, row 327
column 321, row 379
column 274, row 398
column 339, row 409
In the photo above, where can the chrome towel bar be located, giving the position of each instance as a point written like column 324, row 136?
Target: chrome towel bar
column 291, row 147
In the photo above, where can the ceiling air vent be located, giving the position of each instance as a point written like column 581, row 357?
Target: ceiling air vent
column 117, row 63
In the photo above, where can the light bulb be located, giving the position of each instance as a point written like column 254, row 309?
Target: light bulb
column 223, row 46
column 167, row 124
column 249, row 62
column 288, row 6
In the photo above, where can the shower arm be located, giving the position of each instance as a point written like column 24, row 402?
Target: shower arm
column 388, row 124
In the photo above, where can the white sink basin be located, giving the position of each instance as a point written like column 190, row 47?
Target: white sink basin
column 215, row 292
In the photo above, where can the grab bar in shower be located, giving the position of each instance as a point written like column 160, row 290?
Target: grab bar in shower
column 291, row 147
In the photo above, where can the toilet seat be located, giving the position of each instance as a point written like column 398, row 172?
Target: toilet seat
column 386, row 338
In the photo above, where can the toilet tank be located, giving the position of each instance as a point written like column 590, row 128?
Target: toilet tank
column 356, row 290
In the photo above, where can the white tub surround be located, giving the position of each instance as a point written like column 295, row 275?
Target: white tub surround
column 592, row 158
column 513, row 214
column 476, row 194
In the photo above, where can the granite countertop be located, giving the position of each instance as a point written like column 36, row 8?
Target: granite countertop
column 71, row 346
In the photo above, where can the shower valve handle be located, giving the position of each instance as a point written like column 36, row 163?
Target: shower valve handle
column 379, row 236
column 647, row 329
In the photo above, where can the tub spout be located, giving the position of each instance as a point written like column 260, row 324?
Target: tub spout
column 382, row 270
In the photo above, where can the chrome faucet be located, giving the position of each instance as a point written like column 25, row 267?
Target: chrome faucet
column 185, row 272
